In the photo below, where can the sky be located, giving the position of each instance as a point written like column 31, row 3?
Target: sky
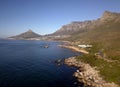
column 47, row 16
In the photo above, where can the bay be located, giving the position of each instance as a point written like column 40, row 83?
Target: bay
column 29, row 64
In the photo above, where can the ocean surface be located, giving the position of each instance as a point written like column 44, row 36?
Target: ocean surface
column 29, row 64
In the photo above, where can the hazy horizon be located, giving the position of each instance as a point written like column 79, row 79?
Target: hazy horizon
column 47, row 16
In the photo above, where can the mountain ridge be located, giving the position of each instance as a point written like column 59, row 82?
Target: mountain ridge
column 83, row 26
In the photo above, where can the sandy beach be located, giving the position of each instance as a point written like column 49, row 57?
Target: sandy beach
column 75, row 49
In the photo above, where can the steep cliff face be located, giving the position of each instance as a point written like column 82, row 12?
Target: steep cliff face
column 88, row 25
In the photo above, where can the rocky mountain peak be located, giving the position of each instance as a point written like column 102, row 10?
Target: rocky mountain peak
column 107, row 15
column 29, row 30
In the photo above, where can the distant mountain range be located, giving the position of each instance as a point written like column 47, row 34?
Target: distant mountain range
column 76, row 27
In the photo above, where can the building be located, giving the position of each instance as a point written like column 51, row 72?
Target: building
column 85, row 46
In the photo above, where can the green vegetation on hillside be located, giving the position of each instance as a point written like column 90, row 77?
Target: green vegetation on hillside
column 110, row 71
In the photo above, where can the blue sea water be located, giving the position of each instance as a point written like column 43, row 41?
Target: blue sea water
column 29, row 64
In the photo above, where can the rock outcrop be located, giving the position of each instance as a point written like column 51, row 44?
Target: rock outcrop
column 87, row 74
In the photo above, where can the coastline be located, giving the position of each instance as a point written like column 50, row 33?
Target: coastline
column 87, row 74
column 74, row 48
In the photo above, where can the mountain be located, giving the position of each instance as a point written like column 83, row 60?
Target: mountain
column 26, row 35
column 84, row 26
column 72, row 27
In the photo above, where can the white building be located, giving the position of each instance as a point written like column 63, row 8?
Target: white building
column 84, row 46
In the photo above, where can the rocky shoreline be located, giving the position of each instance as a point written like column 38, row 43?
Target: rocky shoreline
column 87, row 74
